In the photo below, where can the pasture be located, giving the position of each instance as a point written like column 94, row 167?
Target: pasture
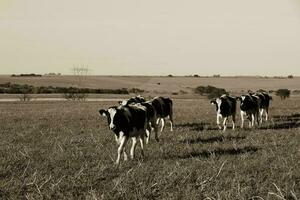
column 159, row 84
column 64, row 150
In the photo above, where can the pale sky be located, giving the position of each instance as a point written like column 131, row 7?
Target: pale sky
column 151, row 37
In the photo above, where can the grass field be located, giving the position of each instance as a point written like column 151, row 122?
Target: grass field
column 64, row 150
column 159, row 84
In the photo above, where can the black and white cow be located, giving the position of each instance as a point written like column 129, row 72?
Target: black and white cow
column 225, row 107
column 164, row 108
column 152, row 120
column 249, row 105
column 151, row 114
column 127, row 122
column 132, row 100
column 264, row 105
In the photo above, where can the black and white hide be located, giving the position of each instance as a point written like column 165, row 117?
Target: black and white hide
column 225, row 107
column 127, row 122
column 264, row 105
column 151, row 114
column 132, row 100
column 164, row 109
column 249, row 105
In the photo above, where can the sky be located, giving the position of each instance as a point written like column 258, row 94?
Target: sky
column 157, row 37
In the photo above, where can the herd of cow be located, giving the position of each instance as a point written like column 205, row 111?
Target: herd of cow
column 135, row 118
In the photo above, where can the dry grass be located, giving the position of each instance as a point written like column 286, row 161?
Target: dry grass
column 166, row 85
column 63, row 150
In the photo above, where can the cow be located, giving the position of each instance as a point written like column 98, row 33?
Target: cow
column 132, row 100
column 151, row 114
column 127, row 122
column 249, row 106
column 264, row 105
column 152, row 120
column 164, row 108
column 225, row 107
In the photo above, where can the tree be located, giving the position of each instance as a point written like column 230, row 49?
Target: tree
column 210, row 91
column 283, row 93
column 80, row 73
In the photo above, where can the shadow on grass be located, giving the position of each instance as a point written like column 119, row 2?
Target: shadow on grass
column 197, row 126
column 216, row 152
column 283, row 122
column 212, row 139
column 276, row 122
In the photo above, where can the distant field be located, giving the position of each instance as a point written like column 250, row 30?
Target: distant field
column 64, row 150
column 163, row 85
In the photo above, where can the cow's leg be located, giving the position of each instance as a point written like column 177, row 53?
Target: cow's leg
column 158, row 120
column 125, row 154
column 233, row 121
column 250, row 120
column 124, row 150
column 132, row 150
column 148, row 132
column 242, row 119
column 267, row 113
column 162, row 124
column 142, row 145
column 155, row 127
column 218, row 121
column 257, row 117
column 253, row 120
column 261, row 112
column 171, row 121
column 148, row 136
column 225, row 123
column 171, row 118
column 122, row 142
column 117, row 139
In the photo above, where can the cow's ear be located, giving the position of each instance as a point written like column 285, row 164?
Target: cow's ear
column 123, row 103
column 103, row 112
column 213, row 101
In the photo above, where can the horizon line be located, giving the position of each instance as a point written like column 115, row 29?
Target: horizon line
column 139, row 75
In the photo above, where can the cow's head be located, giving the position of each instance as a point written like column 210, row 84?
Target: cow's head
column 219, row 102
column 123, row 103
column 246, row 101
column 111, row 115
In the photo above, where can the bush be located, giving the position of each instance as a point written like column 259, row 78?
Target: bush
column 283, row 93
column 210, row 91
column 296, row 92
column 183, row 92
column 25, row 97
column 136, row 90
column 10, row 88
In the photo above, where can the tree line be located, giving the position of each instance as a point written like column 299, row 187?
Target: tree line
column 12, row 88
